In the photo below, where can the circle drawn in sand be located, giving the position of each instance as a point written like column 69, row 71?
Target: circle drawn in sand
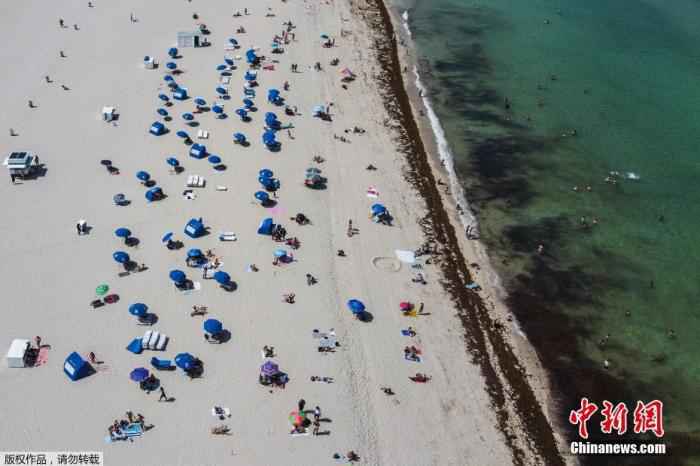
column 388, row 264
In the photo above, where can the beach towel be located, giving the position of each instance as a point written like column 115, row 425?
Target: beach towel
column 412, row 359
column 42, row 358
column 372, row 192
column 407, row 257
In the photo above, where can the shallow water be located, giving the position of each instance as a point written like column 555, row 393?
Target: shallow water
column 624, row 75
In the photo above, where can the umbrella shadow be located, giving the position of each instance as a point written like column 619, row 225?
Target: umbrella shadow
column 223, row 336
column 149, row 183
column 230, row 286
column 132, row 241
column 148, row 319
column 193, row 124
column 269, row 203
column 220, row 167
column 365, row 316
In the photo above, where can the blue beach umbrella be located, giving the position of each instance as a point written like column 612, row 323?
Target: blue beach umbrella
column 139, row 374
column 164, row 97
column 178, row 276
column 122, row 232
column 262, row 196
column 214, row 159
column 250, row 76
column 248, row 103
column 167, row 78
column 239, row 137
column 241, row 112
column 221, row 90
column 167, row 237
column 121, row 257
column 138, row 309
column 200, row 102
column 192, row 253
column 143, row 176
column 229, row 61
column 182, row 134
column 184, row 360
column 187, row 116
column 221, row 67
column 162, row 112
column 172, row 161
column 265, row 173
column 217, row 109
column 222, row 278
column 172, row 52
column 378, row 209
column 356, row 306
column 212, row 326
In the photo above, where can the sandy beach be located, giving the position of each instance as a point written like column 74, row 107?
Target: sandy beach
column 50, row 272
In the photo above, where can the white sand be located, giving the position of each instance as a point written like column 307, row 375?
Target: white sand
column 50, row 273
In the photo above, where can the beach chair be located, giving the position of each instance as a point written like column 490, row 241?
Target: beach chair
column 202, row 134
column 227, row 236
column 195, row 181
column 136, row 346
column 162, row 364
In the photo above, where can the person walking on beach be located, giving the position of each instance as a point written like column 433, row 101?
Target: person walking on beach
column 61, row 54
column 77, row 227
column 317, row 426
column 163, row 396
column 317, row 414
column 37, row 340
column 61, row 23
column 31, row 104
column 12, row 178
column 301, row 405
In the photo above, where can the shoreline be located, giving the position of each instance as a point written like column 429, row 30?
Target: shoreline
column 525, row 369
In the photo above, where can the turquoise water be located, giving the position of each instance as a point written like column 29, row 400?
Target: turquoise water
column 626, row 77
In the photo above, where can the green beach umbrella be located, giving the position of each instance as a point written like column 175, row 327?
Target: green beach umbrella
column 102, row 289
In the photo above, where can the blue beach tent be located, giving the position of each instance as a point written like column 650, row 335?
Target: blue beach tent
column 76, row 367
column 157, row 129
column 180, row 93
column 195, row 228
column 198, row 151
column 266, row 227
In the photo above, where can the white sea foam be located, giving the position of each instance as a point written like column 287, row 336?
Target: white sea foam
column 404, row 16
column 446, row 158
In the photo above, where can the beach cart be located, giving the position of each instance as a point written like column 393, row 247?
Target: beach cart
column 157, row 129
column 180, row 93
column 198, row 151
column 76, row 367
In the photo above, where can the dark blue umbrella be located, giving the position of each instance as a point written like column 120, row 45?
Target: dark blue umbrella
column 239, row 137
column 121, row 257
column 269, row 368
column 184, row 360
column 221, row 90
column 250, row 76
column 270, row 116
column 356, row 306
column 265, row 173
column 229, row 61
column 187, row 116
column 221, row 67
column 242, row 112
column 195, row 253
column 178, row 276
column 171, row 66
column 232, row 41
column 172, row 51
column 217, row 109
column 164, row 97
column 138, row 309
column 162, row 112
column 378, row 209
column 213, row 326
column 167, row 237
column 214, row 159
column 262, row 196
column 143, row 176
column 248, row 103
column 182, row 134
column 122, row 232
column 167, row 78
column 222, row 278
column 199, row 101
column 172, row 161
column 139, row 374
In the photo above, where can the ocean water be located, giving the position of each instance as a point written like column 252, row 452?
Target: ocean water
column 539, row 98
